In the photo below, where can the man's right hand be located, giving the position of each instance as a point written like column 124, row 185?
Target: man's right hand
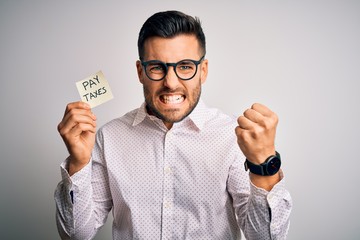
column 77, row 129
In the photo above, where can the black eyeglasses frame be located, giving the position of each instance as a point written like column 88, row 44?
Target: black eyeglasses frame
column 174, row 65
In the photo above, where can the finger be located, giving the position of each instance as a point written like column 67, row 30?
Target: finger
column 75, row 117
column 239, row 131
column 82, row 127
column 71, row 109
column 253, row 115
column 76, row 105
column 245, row 123
column 78, row 130
column 67, row 125
column 243, row 136
column 271, row 119
column 73, row 113
column 262, row 109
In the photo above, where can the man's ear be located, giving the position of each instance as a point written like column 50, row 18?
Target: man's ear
column 204, row 70
column 140, row 72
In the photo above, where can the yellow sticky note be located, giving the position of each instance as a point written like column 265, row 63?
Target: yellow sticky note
column 94, row 90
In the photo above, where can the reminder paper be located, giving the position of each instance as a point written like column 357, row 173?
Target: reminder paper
column 94, row 90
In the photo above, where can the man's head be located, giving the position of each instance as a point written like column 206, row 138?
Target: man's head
column 170, row 24
column 171, row 91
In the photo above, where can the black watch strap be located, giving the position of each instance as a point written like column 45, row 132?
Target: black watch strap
column 269, row 167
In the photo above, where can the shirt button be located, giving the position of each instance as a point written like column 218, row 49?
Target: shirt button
column 167, row 205
column 270, row 197
column 167, row 170
column 272, row 225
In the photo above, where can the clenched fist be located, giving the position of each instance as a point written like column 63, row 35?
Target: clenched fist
column 256, row 133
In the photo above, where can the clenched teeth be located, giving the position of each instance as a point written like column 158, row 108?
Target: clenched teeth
column 172, row 99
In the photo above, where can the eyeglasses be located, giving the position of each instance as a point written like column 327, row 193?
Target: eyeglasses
column 185, row 69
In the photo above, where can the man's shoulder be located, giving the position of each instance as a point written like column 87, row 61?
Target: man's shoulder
column 205, row 116
column 120, row 122
column 218, row 118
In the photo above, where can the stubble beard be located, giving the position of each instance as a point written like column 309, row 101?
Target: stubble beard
column 170, row 116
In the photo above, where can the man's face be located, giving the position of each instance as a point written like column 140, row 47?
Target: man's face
column 172, row 99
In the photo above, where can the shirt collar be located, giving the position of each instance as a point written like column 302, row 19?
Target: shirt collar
column 197, row 116
column 140, row 115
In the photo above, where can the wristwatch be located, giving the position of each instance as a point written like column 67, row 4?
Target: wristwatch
column 268, row 168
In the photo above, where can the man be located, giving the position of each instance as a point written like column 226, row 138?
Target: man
column 174, row 168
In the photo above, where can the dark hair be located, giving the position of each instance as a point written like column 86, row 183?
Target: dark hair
column 170, row 24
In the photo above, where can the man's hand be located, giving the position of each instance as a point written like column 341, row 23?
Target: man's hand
column 256, row 133
column 78, row 128
column 256, row 139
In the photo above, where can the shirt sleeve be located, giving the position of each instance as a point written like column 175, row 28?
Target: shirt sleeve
column 82, row 200
column 261, row 214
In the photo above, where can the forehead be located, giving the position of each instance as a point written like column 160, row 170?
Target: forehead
column 172, row 49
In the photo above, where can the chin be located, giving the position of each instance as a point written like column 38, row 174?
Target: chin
column 172, row 116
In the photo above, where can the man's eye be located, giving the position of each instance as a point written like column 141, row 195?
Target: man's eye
column 156, row 68
column 185, row 66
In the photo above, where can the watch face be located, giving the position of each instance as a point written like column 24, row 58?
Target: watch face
column 273, row 166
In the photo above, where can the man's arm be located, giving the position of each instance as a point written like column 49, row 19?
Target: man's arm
column 256, row 138
column 77, row 129
column 80, row 211
column 264, row 209
column 261, row 214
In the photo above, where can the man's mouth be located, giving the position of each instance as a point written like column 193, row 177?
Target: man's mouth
column 172, row 99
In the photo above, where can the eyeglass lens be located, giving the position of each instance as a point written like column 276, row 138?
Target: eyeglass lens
column 185, row 70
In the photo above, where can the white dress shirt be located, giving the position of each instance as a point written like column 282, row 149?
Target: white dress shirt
column 188, row 182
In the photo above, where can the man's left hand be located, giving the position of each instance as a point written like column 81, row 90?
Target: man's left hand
column 256, row 133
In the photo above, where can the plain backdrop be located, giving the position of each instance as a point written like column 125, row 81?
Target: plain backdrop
column 300, row 58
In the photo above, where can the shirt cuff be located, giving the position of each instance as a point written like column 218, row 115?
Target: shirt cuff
column 278, row 193
column 79, row 180
column 272, row 198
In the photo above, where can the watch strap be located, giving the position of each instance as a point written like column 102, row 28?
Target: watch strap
column 254, row 168
column 259, row 169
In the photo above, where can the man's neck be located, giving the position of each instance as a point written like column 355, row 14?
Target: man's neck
column 168, row 125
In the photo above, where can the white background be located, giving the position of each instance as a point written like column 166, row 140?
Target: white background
column 301, row 58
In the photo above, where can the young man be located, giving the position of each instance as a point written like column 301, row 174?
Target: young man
column 174, row 168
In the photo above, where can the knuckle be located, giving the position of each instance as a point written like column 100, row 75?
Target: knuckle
column 247, row 112
column 257, row 132
column 59, row 127
column 237, row 131
column 81, row 126
column 61, row 131
column 255, row 105
column 75, row 105
column 73, row 115
column 272, row 122
column 244, row 135
column 275, row 118
column 267, row 124
column 63, row 134
column 68, row 107
column 245, row 139
column 240, row 119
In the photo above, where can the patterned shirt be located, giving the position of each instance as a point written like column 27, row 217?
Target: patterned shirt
column 188, row 182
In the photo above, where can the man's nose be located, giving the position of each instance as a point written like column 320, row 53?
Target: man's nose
column 171, row 80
